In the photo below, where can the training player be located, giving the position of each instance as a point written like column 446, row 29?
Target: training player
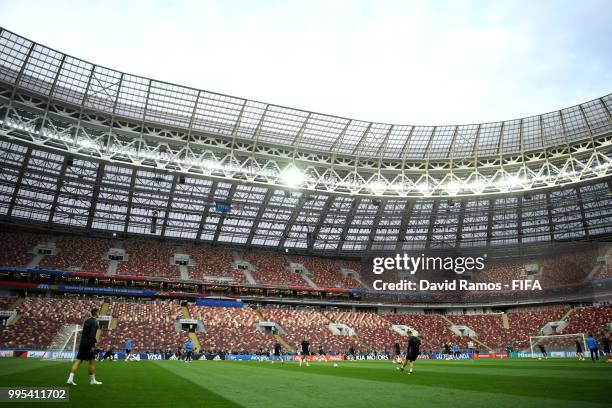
column 128, row 349
column 398, row 353
column 277, row 353
column 412, row 352
column 543, row 351
column 110, row 354
column 579, row 351
column 605, row 342
column 86, row 349
column 305, row 352
column 456, row 350
column 321, row 353
column 352, row 352
column 592, row 345
column 188, row 350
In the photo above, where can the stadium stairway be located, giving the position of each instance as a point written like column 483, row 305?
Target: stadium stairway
column 568, row 313
column 278, row 337
column 16, row 304
column 566, row 316
column 474, row 339
column 104, row 308
column 184, row 272
column 260, row 316
column 357, row 275
column 505, row 321
column 103, row 312
column 33, row 264
column 185, row 312
column 283, row 342
column 309, row 281
column 112, row 267
column 327, row 319
column 196, row 343
column 361, row 343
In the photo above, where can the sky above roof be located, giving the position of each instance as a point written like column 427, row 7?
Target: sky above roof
column 403, row 62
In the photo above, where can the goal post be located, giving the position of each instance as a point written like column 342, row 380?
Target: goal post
column 556, row 345
column 64, row 344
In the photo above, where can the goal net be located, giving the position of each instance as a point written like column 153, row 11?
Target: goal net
column 556, row 345
column 64, row 344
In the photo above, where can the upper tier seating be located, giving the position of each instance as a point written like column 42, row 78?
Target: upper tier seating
column 148, row 258
column 326, row 272
column 272, row 269
column 212, row 261
column 7, row 302
column 16, row 245
column 79, row 253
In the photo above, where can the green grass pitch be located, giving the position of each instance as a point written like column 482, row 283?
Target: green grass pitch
column 465, row 383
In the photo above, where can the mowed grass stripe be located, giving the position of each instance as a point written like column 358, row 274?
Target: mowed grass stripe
column 581, row 368
column 572, row 387
column 134, row 384
column 261, row 384
column 9, row 366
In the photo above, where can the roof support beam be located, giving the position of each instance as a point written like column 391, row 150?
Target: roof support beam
column 317, row 228
column 490, row 213
column 551, row 225
column 519, row 219
column 230, row 197
column 95, row 194
column 348, row 223
column 260, row 213
column 213, row 189
column 460, row 218
column 22, row 171
column 585, row 224
column 58, row 189
column 377, row 217
column 407, row 215
column 169, row 205
column 294, row 215
column 130, row 198
column 432, row 221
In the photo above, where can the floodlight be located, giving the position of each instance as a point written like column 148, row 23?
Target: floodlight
column 292, row 177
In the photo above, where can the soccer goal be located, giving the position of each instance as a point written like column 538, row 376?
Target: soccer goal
column 556, row 345
column 64, row 344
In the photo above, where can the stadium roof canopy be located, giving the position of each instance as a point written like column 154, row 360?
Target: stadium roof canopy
column 88, row 147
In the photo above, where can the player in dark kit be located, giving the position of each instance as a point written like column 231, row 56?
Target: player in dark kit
column 398, row 353
column 605, row 342
column 579, row 351
column 277, row 353
column 110, row 354
column 543, row 351
column 305, row 352
column 86, row 349
column 412, row 352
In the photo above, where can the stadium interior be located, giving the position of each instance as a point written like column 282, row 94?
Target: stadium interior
column 256, row 223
